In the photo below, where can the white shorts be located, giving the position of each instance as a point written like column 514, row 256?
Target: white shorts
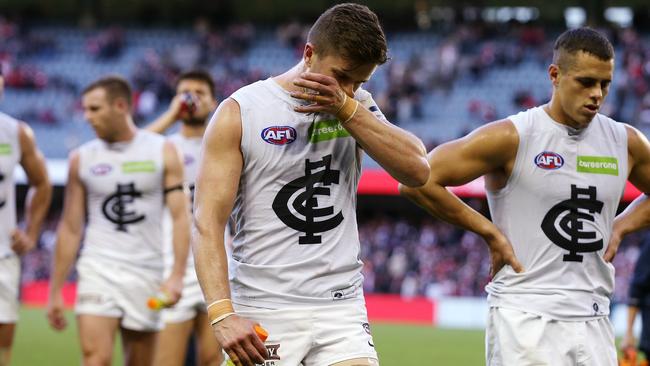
column 190, row 304
column 516, row 338
column 9, row 284
column 314, row 336
column 118, row 291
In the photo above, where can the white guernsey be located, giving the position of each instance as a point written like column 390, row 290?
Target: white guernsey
column 287, row 249
column 558, row 209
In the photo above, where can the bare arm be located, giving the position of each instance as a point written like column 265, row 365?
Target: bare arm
column 39, row 195
column 489, row 149
column 628, row 339
column 176, row 202
column 637, row 215
column 67, row 241
column 217, row 181
column 214, row 195
column 167, row 119
column 399, row 152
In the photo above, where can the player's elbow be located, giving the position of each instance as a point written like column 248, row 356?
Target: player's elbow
column 418, row 174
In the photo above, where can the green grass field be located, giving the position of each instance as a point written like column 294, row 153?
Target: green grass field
column 398, row 345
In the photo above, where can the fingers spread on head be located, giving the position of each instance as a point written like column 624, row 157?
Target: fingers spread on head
column 315, row 87
column 316, row 98
column 320, row 78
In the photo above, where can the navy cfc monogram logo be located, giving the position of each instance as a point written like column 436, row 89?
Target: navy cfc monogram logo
column 115, row 206
column 3, row 200
column 306, row 202
column 567, row 231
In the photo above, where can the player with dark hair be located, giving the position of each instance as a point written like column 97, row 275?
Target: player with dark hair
column 193, row 105
column 284, row 156
column 17, row 146
column 120, row 181
column 554, row 177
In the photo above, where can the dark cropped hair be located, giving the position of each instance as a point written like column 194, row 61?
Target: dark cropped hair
column 351, row 31
column 115, row 87
column 198, row 75
column 582, row 39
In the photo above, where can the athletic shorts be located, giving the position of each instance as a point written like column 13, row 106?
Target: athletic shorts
column 516, row 338
column 9, row 284
column 118, row 291
column 190, row 304
column 314, row 336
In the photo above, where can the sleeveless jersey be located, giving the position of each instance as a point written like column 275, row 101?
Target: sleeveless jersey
column 9, row 157
column 124, row 192
column 190, row 149
column 296, row 239
column 557, row 209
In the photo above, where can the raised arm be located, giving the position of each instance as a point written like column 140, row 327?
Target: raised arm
column 399, row 152
column 167, row 119
column 490, row 149
column 637, row 215
column 68, row 239
column 39, row 195
column 176, row 202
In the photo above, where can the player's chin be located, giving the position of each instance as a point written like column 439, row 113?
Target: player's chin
column 586, row 115
column 195, row 120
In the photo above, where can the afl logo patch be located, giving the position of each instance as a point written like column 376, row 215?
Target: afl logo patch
column 188, row 159
column 549, row 160
column 101, row 169
column 279, row 135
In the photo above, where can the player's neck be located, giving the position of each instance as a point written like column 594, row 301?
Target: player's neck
column 286, row 80
column 192, row 131
column 127, row 133
column 555, row 111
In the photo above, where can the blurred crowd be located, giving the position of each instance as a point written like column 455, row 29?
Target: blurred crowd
column 465, row 52
column 410, row 256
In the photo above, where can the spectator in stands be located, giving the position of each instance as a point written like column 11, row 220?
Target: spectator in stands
column 107, row 44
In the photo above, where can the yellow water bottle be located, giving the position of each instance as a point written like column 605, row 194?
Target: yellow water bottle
column 159, row 302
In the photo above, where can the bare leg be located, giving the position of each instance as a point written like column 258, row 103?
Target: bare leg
column 97, row 336
column 138, row 347
column 209, row 350
column 363, row 361
column 6, row 340
column 172, row 344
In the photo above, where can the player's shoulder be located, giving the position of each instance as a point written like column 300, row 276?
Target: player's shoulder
column 362, row 94
column 364, row 97
column 252, row 90
column 150, row 136
column 636, row 140
column 5, row 117
column 501, row 133
column 93, row 144
column 613, row 130
column 7, row 121
column 176, row 138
